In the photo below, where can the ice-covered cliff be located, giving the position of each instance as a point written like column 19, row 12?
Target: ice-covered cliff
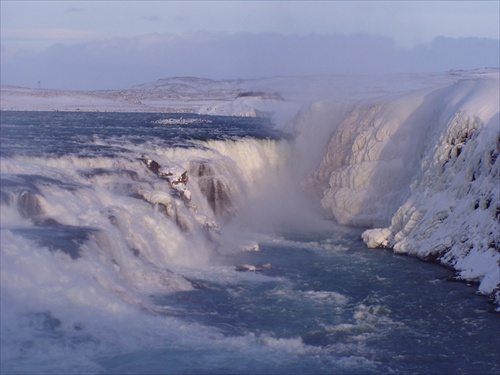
column 423, row 169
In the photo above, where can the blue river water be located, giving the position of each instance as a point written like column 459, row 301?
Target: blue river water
column 312, row 300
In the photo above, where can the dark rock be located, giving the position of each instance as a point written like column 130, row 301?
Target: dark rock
column 46, row 320
column 6, row 198
column 136, row 252
column 183, row 179
column 218, row 196
column 46, row 222
column 215, row 188
column 59, row 237
column 107, row 172
column 29, row 205
column 431, row 257
column 152, row 165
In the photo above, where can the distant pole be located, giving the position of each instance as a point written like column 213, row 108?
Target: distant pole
column 39, row 85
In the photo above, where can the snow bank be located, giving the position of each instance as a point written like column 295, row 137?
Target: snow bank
column 424, row 168
column 279, row 111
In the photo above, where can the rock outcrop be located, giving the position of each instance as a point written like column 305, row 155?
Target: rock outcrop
column 176, row 203
column 216, row 187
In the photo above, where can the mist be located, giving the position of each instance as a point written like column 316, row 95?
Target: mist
column 124, row 62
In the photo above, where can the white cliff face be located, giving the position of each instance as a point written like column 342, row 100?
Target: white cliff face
column 372, row 157
column 423, row 169
column 454, row 210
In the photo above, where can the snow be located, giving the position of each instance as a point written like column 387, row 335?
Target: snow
column 376, row 238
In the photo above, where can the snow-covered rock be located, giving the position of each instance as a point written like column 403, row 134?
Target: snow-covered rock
column 176, row 202
column 376, row 238
column 454, row 210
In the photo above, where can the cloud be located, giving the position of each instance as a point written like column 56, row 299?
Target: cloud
column 123, row 62
column 75, row 10
column 47, row 34
column 152, row 18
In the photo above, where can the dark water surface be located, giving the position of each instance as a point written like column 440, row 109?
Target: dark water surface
column 353, row 310
column 87, row 133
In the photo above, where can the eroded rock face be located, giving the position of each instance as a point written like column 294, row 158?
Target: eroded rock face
column 216, row 188
column 203, row 169
column 28, row 205
column 152, row 165
column 218, row 196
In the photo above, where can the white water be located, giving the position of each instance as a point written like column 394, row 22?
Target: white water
column 97, row 236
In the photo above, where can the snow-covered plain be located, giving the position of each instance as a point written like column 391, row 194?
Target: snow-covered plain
column 413, row 158
column 171, row 95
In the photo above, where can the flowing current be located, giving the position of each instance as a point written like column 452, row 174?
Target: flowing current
column 167, row 243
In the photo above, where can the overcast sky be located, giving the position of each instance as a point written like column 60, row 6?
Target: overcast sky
column 112, row 44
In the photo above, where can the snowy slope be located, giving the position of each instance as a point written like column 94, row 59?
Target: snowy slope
column 424, row 168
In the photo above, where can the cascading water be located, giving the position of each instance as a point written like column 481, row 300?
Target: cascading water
column 154, row 243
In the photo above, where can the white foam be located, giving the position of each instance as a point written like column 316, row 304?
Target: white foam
column 327, row 296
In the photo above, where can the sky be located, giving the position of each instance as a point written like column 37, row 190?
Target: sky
column 113, row 44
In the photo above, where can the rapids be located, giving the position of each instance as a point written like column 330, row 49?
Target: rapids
column 158, row 243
